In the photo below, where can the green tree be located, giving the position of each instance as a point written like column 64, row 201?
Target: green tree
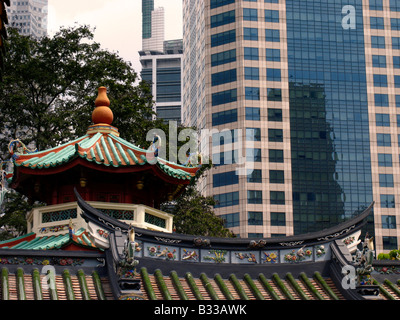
column 49, row 87
column 194, row 213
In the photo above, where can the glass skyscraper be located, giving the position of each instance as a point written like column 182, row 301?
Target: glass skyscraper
column 314, row 85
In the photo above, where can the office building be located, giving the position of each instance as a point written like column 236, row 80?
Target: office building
column 315, row 87
column 161, row 64
column 29, row 17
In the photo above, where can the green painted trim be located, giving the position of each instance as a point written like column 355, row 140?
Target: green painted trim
column 98, row 286
column 257, row 293
column 328, row 290
column 133, row 156
column 296, row 286
column 161, row 284
column 37, row 287
column 51, row 280
column 282, row 286
column 221, row 284
column 147, row 284
column 178, row 285
column 100, row 154
column 238, row 287
column 5, row 293
column 193, row 286
column 268, row 287
column 21, row 284
column 69, row 291
column 384, row 291
column 83, row 285
column 122, row 152
column 310, row 286
column 208, row 287
column 114, row 151
column 392, row 287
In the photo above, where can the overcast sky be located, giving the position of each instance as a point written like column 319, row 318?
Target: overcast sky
column 118, row 23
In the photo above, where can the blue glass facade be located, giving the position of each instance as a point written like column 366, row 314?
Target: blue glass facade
column 331, row 161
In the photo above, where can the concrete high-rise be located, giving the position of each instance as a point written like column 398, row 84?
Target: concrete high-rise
column 29, row 17
column 161, row 63
column 315, row 87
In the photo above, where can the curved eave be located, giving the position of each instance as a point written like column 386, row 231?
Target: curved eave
column 101, row 152
column 337, row 232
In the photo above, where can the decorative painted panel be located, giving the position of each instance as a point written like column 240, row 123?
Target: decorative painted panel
column 251, row 257
column 270, row 257
column 215, row 256
column 161, row 252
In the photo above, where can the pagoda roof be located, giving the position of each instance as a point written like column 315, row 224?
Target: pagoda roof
column 104, row 151
column 31, row 241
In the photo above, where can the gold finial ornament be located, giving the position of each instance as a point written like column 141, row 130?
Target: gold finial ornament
column 102, row 113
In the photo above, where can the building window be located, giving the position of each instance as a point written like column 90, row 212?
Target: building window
column 380, row 80
column 219, row 3
column 275, row 155
column 377, row 23
column 274, row 94
column 381, row 100
column 250, row 53
column 274, row 114
column 254, row 197
column 253, row 154
column 388, row 222
column 254, row 176
column 252, row 93
column 383, row 139
column 382, row 120
column 271, row 16
column 276, row 176
column 250, row 33
column 389, row 243
column 396, row 62
column 225, row 179
column 376, row 5
column 222, row 19
column 275, row 135
column 223, row 57
column 254, row 218
column 224, row 97
column 394, row 5
column 395, row 23
column 224, row 117
column 273, row 74
column 226, row 199
column 251, row 73
column 277, row 197
column 396, row 43
column 387, row 201
column 250, row 14
column 223, row 77
column 379, row 61
column 278, row 219
column 385, row 160
column 273, row 55
column 386, row 180
column 397, row 81
column 378, row 42
column 397, row 100
column 231, row 219
column 223, row 38
column 273, row 35
column 253, row 114
column 253, row 134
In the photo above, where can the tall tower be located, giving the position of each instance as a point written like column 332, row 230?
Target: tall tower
column 152, row 26
column 29, row 17
column 161, row 64
column 312, row 90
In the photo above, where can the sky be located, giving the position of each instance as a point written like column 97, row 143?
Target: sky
column 118, row 23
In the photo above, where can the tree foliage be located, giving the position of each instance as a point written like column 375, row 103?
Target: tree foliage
column 49, row 87
column 194, row 213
